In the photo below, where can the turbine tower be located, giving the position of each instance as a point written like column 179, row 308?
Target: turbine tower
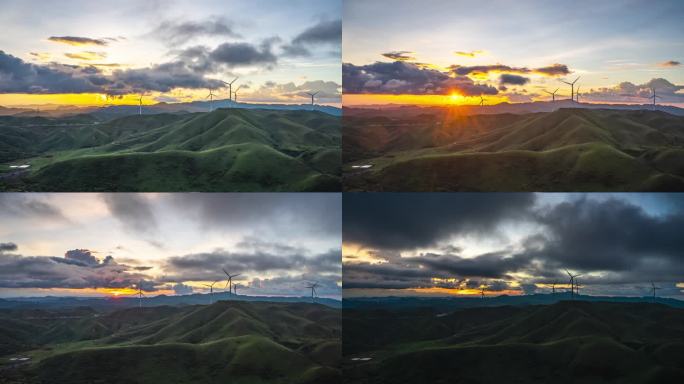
column 211, row 99
column 572, row 87
column 482, row 101
column 553, row 288
column 235, row 93
column 654, row 97
column 140, row 104
column 654, row 288
column 140, row 294
column 230, row 88
column 572, row 283
column 312, row 97
column 553, row 94
column 312, row 287
column 211, row 290
column 229, row 283
column 577, row 94
column 482, row 291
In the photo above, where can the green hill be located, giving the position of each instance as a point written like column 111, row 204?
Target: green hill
column 567, row 342
column 565, row 150
column 225, row 150
column 241, row 342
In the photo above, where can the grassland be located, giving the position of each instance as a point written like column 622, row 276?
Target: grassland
column 567, row 342
column 237, row 342
column 565, row 150
column 225, row 150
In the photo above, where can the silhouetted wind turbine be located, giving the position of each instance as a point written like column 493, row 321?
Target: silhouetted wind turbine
column 211, row 290
column 572, row 282
column 654, row 288
column 572, row 87
column 654, row 97
column 482, row 291
column 230, row 87
column 140, row 294
column 482, row 101
column 229, row 283
column 577, row 93
column 211, row 99
column 235, row 93
column 312, row 97
column 553, row 288
column 312, row 286
column 140, row 105
column 553, row 94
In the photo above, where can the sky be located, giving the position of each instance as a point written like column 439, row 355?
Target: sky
column 106, row 244
column 455, row 51
column 76, row 52
column 441, row 244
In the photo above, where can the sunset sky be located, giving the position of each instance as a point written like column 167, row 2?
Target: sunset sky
column 104, row 244
column 512, row 243
column 454, row 51
column 76, row 51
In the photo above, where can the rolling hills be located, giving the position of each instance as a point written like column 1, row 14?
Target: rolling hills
column 224, row 150
column 567, row 342
column 237, row 341
column 565, row 150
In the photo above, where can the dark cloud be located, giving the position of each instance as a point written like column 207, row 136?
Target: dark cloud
column 22, row 205
column 83, row 256
column 513, row 79
column 243, row 54
column 180, row 32
column 406, row 221
column 552, row 70
column 400, row 55
column 5, row 247
column 132, row 210
column 182, row 289
column 401, row 77
column 670, row 63
column 162, row 78
column 75, row 40
column 327, row 32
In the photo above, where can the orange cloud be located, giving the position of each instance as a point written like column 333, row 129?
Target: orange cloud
column 86, row 55
column 469, row 54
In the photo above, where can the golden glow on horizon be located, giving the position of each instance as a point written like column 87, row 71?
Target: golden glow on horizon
column 463, row 291
column 434, row 100
column 75, row 99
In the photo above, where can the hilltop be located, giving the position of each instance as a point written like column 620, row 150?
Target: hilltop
column 566, row 342
column 242, row 342
column 564, row 150
column 225, row 150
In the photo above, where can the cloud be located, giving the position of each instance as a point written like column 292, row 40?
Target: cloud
column 182, row 289
column 86, row 55
column 401, row 77
column 5, row 247
column 469, row 54
column 22, row 205
column 328, row 92
column 551, row 71
column 640, row 93
column 132, row 210
column 398, row 221
column 78, row 269
column 161, row 78
column 78, row 41
column 670, row 63
column 513, row 79
column 400, row 55
column 178, row 32
column 325, row 32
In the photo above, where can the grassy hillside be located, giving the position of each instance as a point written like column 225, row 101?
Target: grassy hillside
column 567, row 342
column 565, row 150
column 225, row 150
column 237, row 341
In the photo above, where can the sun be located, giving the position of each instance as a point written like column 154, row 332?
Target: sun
column 455, row 98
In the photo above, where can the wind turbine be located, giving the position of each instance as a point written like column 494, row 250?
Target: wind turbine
column 140, row 104
column 482, row 101
column 654, row 97
column 211, row 290
column 312, row 286
column 235, row 93
column 230, row 87
column 572, row 87
column 553, row 94
column 577, row 94
column 140, row 294
column 577, row 287
column 553, row 288
column 312, row 97
column 229, row 283
column 211, row 99
column 482, row 291
column 654, row 288
column 572, row 283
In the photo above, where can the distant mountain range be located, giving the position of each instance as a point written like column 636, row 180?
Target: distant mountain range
column 456, row 302
column 110, row 303
column 114, row 111
column 516, row 108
